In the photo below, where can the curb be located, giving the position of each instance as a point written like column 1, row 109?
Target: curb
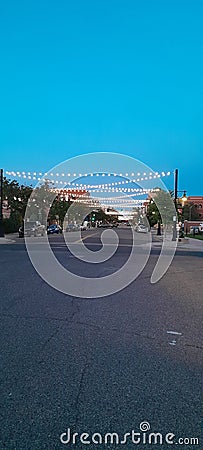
column 6, row 241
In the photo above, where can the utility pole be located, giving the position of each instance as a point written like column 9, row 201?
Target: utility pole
column 1, row 205
column 176, row 188
column 175, row 202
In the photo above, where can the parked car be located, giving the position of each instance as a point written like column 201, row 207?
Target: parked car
column 32, row 228
column 201, row 228
column 194, row 230
column 105, row 225
column 83, row 227
column 141, row 228
column 54, row 229
column 72, row 227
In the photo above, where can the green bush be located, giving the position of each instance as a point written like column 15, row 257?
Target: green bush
column 12, row 224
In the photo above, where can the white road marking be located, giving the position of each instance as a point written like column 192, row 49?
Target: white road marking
column 174, row 332
column 172, row 342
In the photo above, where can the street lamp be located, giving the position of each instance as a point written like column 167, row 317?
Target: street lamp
column 1, row 205
column 184, row 199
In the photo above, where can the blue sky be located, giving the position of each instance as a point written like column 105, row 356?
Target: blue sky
column 113, row 75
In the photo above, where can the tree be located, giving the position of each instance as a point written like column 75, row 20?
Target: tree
column 59, row 209
column 16, row 198
column 161, row 208
column 153, row 214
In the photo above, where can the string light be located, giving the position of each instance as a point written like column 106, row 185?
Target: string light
column 136, row 191
column 80, row 192
column 88, row 186
column 80, row 175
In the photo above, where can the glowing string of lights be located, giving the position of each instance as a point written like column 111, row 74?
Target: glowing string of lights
column 80, row 175
column 89, row 186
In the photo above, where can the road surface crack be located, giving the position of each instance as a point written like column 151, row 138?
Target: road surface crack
column 81, row 382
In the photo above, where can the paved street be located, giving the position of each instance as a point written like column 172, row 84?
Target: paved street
column 100, row 365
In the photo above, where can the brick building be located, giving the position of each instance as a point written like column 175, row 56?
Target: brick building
column 72, row 194
column 197, row 201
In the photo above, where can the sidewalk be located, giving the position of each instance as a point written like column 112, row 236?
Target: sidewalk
column 186, row 243
column 5, row 240
column 191, row 244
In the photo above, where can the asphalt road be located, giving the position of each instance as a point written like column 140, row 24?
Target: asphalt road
column 100, row 365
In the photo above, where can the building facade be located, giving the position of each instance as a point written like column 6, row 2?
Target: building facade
column 197, row 201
